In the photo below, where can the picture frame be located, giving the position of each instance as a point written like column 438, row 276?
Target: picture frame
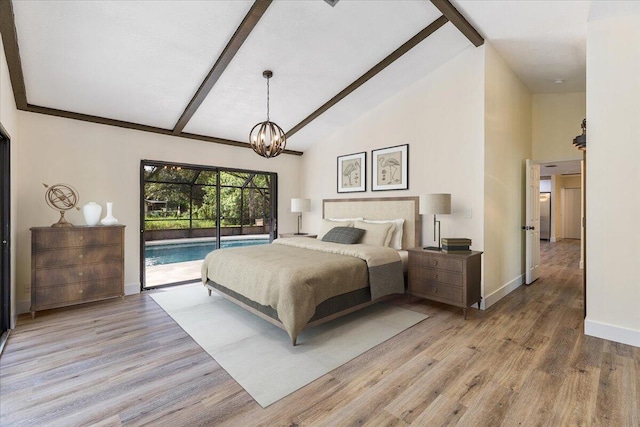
column 351, row 173
column 390, row 168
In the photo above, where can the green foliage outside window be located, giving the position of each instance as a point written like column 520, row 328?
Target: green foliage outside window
column 180, row 198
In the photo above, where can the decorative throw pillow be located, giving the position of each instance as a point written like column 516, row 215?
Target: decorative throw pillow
column 344, row 235
column 376, row 234
column 327, row 225
column 396, row 237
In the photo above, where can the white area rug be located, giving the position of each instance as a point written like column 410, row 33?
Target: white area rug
column 260, row 357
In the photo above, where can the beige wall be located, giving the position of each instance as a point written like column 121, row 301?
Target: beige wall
column 612, row 196
column 441, row 118
column 9, row 120
column 103, row 164
column 507, row 145
column 556, row 119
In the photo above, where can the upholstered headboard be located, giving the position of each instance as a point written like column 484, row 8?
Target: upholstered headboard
column 379, row 209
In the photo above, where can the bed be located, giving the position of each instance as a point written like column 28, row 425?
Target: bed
column 296, row 283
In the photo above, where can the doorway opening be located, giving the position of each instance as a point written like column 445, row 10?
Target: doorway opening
column 187, row 211
column 5, row 238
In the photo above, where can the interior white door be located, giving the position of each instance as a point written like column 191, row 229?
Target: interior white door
column 572, row 213
column 532, row 222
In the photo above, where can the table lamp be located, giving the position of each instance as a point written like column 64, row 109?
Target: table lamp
column 435, row 204
column 300, row 205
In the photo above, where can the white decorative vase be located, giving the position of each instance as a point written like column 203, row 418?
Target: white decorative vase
column 91, row 212
column 109, row 219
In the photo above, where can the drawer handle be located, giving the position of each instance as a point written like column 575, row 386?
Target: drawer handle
column 81, row 237
column 434, row 290
column 435, row 262
column 435, row 275
column 81, row 291
column 81, row 274
column 81, row 256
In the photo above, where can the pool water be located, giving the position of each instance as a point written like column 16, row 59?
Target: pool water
column 171, row 253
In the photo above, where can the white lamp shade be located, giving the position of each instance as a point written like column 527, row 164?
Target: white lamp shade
column 300, row 205
column 437, row 204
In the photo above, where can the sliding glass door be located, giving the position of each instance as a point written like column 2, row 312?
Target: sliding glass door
column 186, row 211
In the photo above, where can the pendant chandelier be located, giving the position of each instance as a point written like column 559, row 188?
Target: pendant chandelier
column 267, row 138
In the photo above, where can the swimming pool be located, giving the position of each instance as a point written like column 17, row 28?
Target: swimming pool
column 170, row 253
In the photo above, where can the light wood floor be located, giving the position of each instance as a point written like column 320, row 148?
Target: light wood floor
column 525, row 361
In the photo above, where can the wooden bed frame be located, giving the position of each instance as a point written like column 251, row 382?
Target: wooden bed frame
column 368, row 208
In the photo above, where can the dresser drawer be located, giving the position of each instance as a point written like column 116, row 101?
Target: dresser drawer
column 79, row 273
column 55, row 239
column 436, row 291
column 68, row 294
column 79, row 255
column 437, row 276
column 439, row 262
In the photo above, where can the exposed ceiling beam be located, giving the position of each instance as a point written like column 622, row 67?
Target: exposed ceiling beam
column 459, row 21
column 406, row 47
column 10, row 41
column 136, row 126
column 246, row 26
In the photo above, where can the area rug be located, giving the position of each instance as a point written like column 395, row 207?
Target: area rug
column 260, row 357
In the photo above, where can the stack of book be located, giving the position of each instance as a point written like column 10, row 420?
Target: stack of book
column 456, row 245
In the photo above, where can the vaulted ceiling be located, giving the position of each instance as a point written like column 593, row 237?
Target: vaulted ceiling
column 194, row 68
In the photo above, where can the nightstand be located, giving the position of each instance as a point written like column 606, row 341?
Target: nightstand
column 285, row 235
column 448, row 278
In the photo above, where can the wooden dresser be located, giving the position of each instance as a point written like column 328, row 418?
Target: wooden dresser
column 73, row 265
column 449, row 278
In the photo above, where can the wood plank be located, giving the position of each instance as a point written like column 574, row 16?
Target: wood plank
column 522, row 361
column 461, row 23
column 12, row 53
column 407, row 46
column 247, row 25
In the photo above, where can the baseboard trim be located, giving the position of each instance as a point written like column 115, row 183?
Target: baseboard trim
column 498, row 294
column 612, row 332
column 132, row 288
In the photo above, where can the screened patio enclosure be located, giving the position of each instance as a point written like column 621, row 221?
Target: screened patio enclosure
column 189, row 210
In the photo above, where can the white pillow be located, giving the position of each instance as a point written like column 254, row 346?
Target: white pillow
column 345, row 219
column 396, row 237
column 376, row 234
column 327, row 225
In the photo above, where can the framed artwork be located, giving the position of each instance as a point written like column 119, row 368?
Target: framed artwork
column 390, row 168
column 351, row 173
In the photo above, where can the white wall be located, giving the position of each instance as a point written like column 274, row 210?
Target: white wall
column 613, row 175
column 441, row 118
column 9, row 120
column 556, row 119
column 103, row 164
column 507, row 145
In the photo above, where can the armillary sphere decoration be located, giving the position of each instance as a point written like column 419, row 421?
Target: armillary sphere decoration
column 61, row 197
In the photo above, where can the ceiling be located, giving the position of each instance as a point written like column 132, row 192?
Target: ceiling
column 143, row 62
column 567, row 167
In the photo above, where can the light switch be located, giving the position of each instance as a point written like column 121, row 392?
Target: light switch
column 468, row 213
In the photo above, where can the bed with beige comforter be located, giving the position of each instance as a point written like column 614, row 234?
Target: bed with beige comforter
column 293, row 276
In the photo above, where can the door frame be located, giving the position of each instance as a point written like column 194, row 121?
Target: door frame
column 5, row 236
column 532, row 221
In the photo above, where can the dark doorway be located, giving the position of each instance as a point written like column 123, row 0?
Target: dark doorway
column 5, row 238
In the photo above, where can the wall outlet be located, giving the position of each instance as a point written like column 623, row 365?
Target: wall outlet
column 468, row 213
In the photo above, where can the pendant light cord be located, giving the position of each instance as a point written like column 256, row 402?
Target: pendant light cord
column 267, row 98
